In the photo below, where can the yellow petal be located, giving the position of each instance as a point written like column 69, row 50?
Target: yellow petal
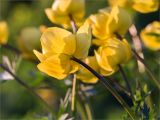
column 98, row 24
column 86, row 76
column 3, row 32
column 56, row 66
column 151, row 35
column 62, row 6
column 83, row 41
column 118, row 18
column 57, row 18
column 57, row 40
column 39, row 55
column 145, row 6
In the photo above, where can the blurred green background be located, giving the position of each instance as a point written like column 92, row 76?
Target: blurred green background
column 17, row 103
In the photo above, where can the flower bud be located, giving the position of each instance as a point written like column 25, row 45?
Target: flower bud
column 29, row 40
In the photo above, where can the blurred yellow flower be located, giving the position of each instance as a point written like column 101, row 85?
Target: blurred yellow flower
column 48, row 95
column 151, row 35
column 58, row 46
column 3, row 32
column 121, row 3
column 29, row 40
column 112, row 54
column 145, row 6
column 61, row 9
column 85, row 75
column 109, row 21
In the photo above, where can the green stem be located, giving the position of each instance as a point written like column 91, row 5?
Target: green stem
column 147, row 69
column 126, row 80
column 73, row 97
column 108, row 86
column 21, row 82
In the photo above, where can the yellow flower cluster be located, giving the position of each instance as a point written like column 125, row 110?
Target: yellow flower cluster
column 62, row 10
column 142, row 6
column 151, row 35
column 60, row 45
column 108, row 22
column 3, row 32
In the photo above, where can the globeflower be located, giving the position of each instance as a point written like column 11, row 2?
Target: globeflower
column 109, row 21
column 145, row 6
column 62, row 9
column 151, row 35
column 59, row 46
column 86, row 76
column 3, row 32
column 112, row 54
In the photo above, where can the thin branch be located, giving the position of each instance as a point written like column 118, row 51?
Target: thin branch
column 21, row 82
column 73, row 92
column 126, row 80
column 11, row 48
column 107, row 85
column 120, row 88
column 147, row 68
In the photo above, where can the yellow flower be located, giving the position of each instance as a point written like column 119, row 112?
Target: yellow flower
column 3, row 32
column 112, row 54
column 85, row 75
column 151, row 35
column 58, row 46
column 121, row 3
column 29, row 40
column 61, row 9
column 145, row 6
column 109, row 21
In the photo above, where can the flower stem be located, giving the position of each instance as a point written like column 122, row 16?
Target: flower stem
column 73, row 24
column 126, row 80
column 108, row 86
column 73, row 93
column 147, row 68
column 21, row 82
column 11, row 48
